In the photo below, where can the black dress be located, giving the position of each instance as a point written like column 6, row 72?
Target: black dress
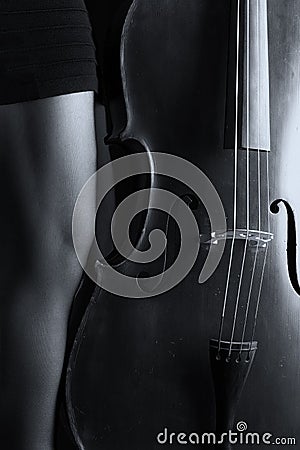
column 46, row 49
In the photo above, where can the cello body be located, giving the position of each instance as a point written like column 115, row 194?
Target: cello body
column 144, row 367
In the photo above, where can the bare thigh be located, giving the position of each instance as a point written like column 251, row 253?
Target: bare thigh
column 47, row 152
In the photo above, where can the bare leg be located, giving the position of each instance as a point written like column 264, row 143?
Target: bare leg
column 47, row 152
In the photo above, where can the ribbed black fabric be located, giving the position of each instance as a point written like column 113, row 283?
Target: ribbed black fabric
column 46, row 49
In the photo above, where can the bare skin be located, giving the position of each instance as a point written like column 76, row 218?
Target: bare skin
column 47, row 153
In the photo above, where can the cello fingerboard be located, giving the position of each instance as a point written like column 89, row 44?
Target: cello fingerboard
column 248, row 77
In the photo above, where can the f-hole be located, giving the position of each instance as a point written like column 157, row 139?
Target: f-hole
column 291, row 242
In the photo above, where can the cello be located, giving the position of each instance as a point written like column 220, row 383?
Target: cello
column 214, row 85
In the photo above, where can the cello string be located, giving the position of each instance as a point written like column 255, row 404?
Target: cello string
column 237, row 303
column 266, row 252
column 258, row 187
column 235, row 176
column 268, row 193
column 249, row 300
column 259, row 295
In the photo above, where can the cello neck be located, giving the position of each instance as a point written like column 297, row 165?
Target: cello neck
column 248, row 116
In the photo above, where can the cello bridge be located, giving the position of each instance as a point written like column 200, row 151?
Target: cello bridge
column 255, row 238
